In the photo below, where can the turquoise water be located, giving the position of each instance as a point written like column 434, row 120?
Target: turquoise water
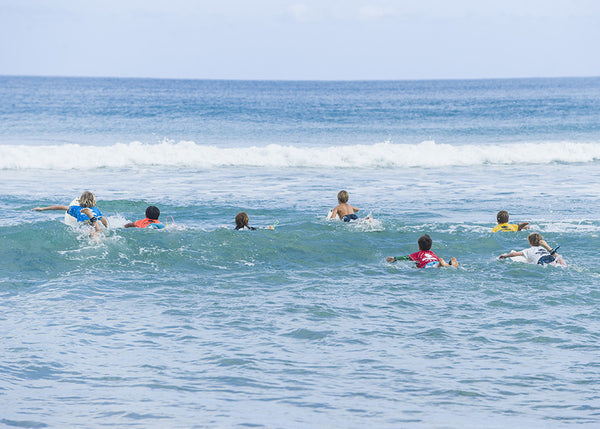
column 305, row 325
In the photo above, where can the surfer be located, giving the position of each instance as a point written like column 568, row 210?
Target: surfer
column 345, row 211
column 539, row 252
column 82, row 210
column 151, row 220
column 425, row 258
column 503, row 225
column 241, row 221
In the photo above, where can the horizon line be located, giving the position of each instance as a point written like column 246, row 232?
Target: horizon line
column 298, row 80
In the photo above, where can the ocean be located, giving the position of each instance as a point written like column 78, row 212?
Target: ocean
column 305, row 325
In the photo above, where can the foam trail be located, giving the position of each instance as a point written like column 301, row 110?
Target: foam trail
column 380, row 155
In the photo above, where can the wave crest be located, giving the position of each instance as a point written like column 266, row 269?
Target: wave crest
column 380, row 155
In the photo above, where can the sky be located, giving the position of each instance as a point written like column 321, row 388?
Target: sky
column 300, row 40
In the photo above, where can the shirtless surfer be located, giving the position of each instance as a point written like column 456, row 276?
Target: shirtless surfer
column 344, row 210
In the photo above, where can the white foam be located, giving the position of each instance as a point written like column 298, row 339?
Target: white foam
column 117, row 221
column 567, row 226
column 380, row 155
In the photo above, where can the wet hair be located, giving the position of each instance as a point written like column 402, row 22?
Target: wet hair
column 87, row 200
column 502, row 216
column 152, row 212
column 241, row 220
column 343, row 197
column 535, row 238
column 425, row 242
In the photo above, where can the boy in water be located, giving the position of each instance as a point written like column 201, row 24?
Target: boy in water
column 425, row 258
column 241, row 221
column 538, row 253
column 344, row 210
column 85, row 211
column 503, row 225
column 151, row 221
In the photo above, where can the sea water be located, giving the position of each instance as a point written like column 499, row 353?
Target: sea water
column 304, row 325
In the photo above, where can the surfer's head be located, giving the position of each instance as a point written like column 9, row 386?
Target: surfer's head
column 241, row 220
column 87, row 199
column 502, row 216
column 535, row 238
column 425, row 242
column 343, row 197
column 152, row 212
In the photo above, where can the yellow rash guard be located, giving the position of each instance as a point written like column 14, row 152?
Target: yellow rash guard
column 505, row 227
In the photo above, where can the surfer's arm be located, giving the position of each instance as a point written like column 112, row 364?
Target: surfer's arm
column 41, row 209
column 510, row 255
column 129, row 225
column 545, row 246
column 522, row 225
column 93, row 219
column 334, row 213
column 88, row 212
column 355, row 209
column 398, row 258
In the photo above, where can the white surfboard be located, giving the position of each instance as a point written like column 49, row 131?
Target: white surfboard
column 329, row 215
column 365, row 220
column 70, row 220
column 518, row 258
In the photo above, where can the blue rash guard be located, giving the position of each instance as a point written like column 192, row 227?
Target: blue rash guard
column 75, row 211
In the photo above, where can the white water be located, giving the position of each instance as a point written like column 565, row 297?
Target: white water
column 380, row 155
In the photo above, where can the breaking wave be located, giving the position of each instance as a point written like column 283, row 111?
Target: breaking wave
column 380, row 155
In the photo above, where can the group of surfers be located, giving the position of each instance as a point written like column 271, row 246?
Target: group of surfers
column 83, row 210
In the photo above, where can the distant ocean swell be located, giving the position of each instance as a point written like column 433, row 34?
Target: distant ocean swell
column 380, row 155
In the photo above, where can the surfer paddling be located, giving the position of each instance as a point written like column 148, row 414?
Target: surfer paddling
column 151, row 221
column 343, row 210
column 503, row 225
column 82, row 210
column 425, row 258
column 539, row 252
